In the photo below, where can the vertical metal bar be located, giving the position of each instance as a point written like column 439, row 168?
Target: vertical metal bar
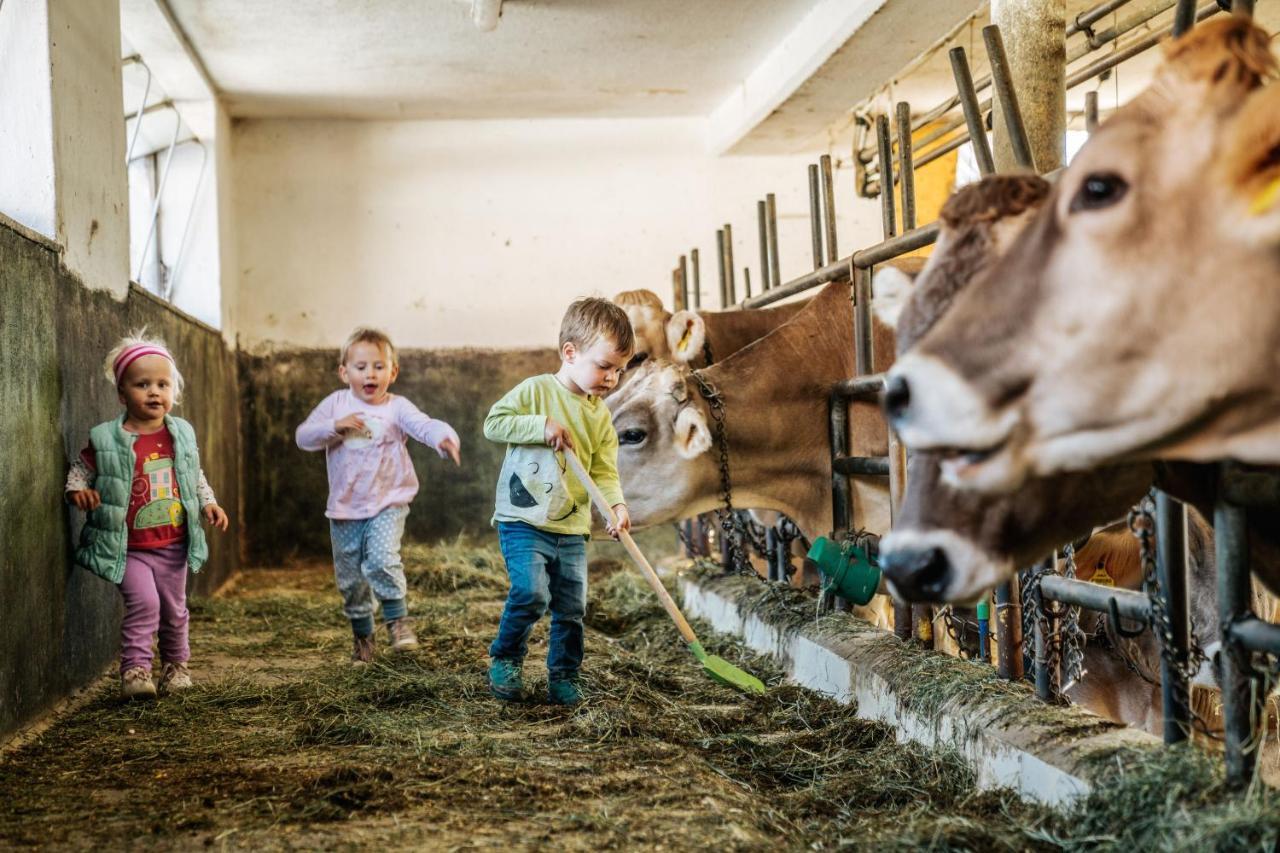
column 775, row 276
column 746, row 282
column 972, row 112
column 841, row 492
column 155, row 207
column 1091, row 112
column 1044, row 675
column 762, row 222
column 684, row 282
column 888, row 216
column 1002, row 78
column 175, row 274
column 1171, row 570
column 1244, row 8
column 675, row 289
column 829, row 206
column 724, row 290
column 770, row 548
column 906, row 169
column 862, row 353
column 1231, row 542
column 1184, row 18
column 146, row 93
column 815, row 217
column 697, row 279
column 1009, row 630
column 728, row 263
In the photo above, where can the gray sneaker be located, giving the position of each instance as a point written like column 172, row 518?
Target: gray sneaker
column 174, row 677
column 402, row 637
column 362, row 651
column 136, row 683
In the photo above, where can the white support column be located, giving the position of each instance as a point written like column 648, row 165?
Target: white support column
column 1035, row 36
column 26, row 117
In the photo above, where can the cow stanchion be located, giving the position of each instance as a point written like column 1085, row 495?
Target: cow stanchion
column 697, row 278
column 762, row 223
column 724, row 289
column 1174, row 625
column 775, row 275
column 730, row 287
column 815, row 217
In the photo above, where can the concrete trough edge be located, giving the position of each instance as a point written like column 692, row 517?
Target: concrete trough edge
column 1002, row 751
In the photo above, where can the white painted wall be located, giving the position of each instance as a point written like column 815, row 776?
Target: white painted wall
column 480, row 233
column 26, row 116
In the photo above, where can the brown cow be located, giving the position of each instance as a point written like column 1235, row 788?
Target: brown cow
column 1137, row 316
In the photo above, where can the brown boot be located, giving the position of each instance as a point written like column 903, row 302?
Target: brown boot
column 362, row 651
column 402, row 637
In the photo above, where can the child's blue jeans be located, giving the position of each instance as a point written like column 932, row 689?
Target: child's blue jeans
column 546, row 570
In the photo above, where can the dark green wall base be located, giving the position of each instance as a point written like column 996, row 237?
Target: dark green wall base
column 286, row 488
column 59, row 626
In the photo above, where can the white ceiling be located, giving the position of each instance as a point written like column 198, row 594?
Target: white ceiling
column 425, row 59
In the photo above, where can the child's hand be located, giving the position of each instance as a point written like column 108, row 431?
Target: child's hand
column 216, row 517
column 352, row 423
column 555, row 435
column 621, row 513
column 85, row 499
column 450, row 447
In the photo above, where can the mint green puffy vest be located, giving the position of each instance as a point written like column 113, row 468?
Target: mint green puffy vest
column 104, row 539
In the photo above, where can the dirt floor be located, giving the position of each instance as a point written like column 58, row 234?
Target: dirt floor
column 282, row 745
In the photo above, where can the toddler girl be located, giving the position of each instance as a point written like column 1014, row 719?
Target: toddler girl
column 363, row 429
column 140, row 480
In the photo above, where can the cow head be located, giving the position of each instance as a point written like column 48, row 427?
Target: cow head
column 1136, row 315
column 648, row 320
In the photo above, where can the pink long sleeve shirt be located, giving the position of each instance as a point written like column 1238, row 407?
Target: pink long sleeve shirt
column 371, row 471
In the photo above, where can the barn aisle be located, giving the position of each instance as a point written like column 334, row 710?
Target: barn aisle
column 281, row 745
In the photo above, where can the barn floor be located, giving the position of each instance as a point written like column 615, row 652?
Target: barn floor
column 281, row 745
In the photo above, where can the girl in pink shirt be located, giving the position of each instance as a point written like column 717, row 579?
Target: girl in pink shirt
column 363, row 430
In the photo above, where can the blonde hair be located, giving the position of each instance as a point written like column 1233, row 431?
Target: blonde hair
column 369, row 335
column 588, row 320
column 139, row 337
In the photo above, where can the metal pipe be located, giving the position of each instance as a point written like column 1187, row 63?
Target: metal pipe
column 829, row 206
column 1091, row 596
column 1087, row 19
column 728, row 263
column 861, row 259
column 724, row 290
column 176, row 272
column 155, row 207
column 906, row 169
column 1254, row 489
column 1184, row 18
column 863, row 354
column 771, row 545
column 1142, row 45
column 146, row 92
column 1091, row 112
column 815, row 217
column 1002, row 76
column 1242, row 7
column 1009, row 630
column 746, row 281
column 1257, row 634
column 860, row 387
column 697, row 279
column 972, row 114
column 775, row 276
column 1231, row 545
column 684, row 282
column 146, row 110
column 942, row 150
column 762, row 222
column 872, row 466
column 1040, row 662
column 1171, row 569
column 841, row 491
column 675, row 289
column 888, row 217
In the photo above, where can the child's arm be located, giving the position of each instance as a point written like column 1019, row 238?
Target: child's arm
column 604, row 470
column 510, row 421
column 213, row 513
column 79, row 489
column 435, row 434
column 319, row 430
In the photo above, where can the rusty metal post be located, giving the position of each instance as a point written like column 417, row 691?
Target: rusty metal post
column 906, row 169
column 746, row 281
column 972, row 112
column 675, row 289
column 762, row 222
column 888, row 216
column 1028, row 57
column 815, row 217
column 775, row 274
column 684, row 282
column 1009, row 629
column 697, row 279
column 1090, row 112
column 728, row 264
column 829, row 206
column 1184, row 18
column 724, row 289
column 1231, row 544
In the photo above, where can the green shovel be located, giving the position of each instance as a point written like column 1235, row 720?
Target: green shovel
column 716, row 667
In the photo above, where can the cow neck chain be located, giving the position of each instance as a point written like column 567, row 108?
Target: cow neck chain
column 729, row 522
column 1142, row 524
column 1072, row 635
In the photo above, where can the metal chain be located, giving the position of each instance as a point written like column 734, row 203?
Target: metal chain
column 1072, row 635
column 1041, row 614
column 738, row 561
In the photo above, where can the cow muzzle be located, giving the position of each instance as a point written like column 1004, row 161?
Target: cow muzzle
column 938, row 565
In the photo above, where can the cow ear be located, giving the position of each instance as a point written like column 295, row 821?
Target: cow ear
column 892, row 288
column 1252, row 162
column 686, row 333
column 692, row 437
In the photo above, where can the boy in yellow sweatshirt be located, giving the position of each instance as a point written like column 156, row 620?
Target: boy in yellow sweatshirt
column 543, row 513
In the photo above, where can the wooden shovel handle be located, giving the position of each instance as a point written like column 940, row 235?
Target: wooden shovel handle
column 634, row 550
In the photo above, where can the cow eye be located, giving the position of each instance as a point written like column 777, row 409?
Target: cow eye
column 632, row 436
column 637, row 360
column 1099, row 190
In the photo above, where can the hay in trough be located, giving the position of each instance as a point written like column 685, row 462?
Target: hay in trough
column 281, row 745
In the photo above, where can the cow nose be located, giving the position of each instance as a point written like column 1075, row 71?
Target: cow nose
column 897, row 395
column 919, row 574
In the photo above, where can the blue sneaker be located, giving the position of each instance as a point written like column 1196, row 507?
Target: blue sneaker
column 505, row 681
column 564, row 691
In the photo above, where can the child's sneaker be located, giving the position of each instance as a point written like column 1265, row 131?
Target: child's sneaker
column 402, row 637
column 505, row 681
column 362, row 651
column 136, row 683
column 174, row 677
column 564, row 691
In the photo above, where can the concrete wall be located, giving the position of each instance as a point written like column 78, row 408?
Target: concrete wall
column 285, row 488
column 60, row 625
column 479, row 233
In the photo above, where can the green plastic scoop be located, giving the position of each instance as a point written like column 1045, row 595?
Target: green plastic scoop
column 716, row 667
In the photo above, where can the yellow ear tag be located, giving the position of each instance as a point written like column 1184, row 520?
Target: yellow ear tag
column 684, row 339
column 1101, row 576
column 1266, row 199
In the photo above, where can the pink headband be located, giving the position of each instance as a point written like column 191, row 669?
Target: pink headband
column 131, row 354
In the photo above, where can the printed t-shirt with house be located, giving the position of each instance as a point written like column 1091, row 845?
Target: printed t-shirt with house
column 155, row 516
column 533, row 485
